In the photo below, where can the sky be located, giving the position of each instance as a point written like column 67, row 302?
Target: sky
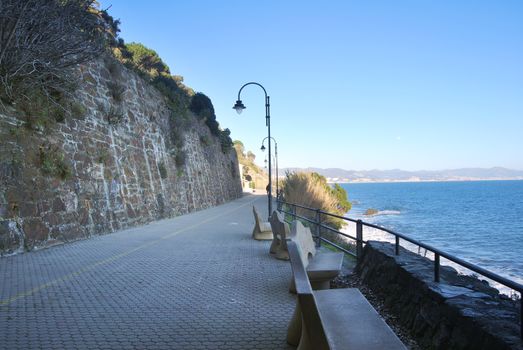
column 358, row 85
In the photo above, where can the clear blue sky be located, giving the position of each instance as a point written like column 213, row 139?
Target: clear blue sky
column 353, row 84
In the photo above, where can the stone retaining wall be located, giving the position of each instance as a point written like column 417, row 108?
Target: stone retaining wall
column 123, row 171
column 460, row 312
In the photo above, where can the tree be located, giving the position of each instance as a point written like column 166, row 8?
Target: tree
column 240, row 148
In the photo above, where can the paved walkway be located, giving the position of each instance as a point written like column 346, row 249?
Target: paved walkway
column 193, row 282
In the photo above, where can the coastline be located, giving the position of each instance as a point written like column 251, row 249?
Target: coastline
column 366, row 181
column 374, row 234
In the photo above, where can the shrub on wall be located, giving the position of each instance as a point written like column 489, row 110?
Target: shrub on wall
column 163, row 170
column 203, row 108
column 52, row 162
column 42, row 42
column 147, row 63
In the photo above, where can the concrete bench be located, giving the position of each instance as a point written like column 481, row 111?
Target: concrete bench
column 262, row 229
column 281, row 231
column 322, row 267
column 334, row 318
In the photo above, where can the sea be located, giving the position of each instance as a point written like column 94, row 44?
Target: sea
column 478, row 221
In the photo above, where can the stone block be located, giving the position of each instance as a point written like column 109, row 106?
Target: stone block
column 58, row 205
column 28, row 209
column 11, row 238
column 35, row 230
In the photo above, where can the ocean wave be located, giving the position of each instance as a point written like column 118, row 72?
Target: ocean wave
column 382, row 212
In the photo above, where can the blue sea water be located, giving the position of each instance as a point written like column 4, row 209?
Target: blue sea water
column 481, row 222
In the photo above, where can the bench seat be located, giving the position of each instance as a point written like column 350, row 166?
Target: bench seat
column 334, row 318
column 281, row 232
column 350, row 321
column 262, row 230
column 321, row 267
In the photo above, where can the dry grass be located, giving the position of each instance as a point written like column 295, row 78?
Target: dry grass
column 309, row 190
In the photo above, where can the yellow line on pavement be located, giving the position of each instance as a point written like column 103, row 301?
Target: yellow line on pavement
column 114, row 258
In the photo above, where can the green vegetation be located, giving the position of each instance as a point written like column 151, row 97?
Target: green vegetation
column 179, row 159
column 251, row 172
column 103, row 156
column 163, row 170
column 204, row 140
column 341, row 195
column 41, row 45
column 347, row 245
column 202, row 107
column 225, row 140
column 116, row 91
column 148, row 64
column 52, row 162
column 311, row 190
column 115, row 115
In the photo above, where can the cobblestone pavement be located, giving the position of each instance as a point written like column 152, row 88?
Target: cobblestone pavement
column 197, row 281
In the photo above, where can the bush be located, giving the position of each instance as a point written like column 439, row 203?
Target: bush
column 42, row 42
column 311, row 190
column 202, row 107
column 341, row 195
column 163, row 170
column 179, row 159
column 225, row 140
column 116, row 91
column 115, row 115
column 52, row 162
column 146, row 60
column 179, row 97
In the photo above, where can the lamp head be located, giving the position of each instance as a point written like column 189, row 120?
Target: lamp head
column 239, row 107
column 263, row 148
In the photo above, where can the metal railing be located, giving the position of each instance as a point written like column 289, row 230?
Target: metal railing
column 359, row 242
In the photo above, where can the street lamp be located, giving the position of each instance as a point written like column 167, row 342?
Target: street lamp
column 276, row 160
column 239, row 107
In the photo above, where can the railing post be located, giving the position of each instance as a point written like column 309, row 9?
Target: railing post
column 318, row 228
column 359, row 240
column 397, row 246
column 436, row 267
column 293, row 212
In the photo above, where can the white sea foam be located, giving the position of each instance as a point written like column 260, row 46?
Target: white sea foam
column 384, row 212
column 374, row 234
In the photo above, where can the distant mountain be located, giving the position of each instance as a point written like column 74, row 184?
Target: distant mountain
column 397, row 175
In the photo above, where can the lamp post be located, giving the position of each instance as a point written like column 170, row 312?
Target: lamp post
column 276, row 160
column 239, row 107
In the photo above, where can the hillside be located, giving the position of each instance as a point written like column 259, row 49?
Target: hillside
column 253, row 177
column 396, row 175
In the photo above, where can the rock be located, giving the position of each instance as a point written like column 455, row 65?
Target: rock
column 445, row 315
column 11, row 237
column 34, row 231
column 370, row 212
